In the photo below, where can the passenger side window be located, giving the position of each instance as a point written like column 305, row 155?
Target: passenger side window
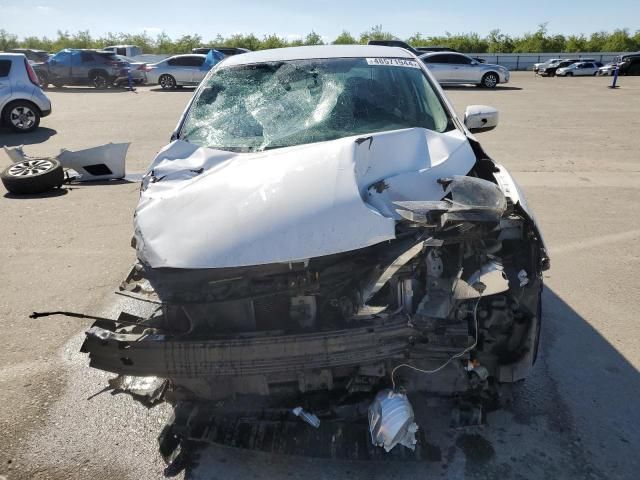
column 195, row 61
column 86, row 57
column 459, row 59
column 178, row 62
column 436, row 59
column 121, row 51
column 5, row 68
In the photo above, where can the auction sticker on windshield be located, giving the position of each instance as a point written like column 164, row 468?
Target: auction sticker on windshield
column 394, row 62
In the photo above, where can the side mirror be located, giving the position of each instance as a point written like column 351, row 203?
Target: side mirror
column 480, row 118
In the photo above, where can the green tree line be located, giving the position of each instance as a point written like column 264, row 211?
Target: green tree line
column 620, row 40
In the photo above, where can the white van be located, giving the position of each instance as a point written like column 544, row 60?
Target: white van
column 125, row 50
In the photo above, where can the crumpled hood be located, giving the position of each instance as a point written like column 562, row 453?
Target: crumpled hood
column 206, row 208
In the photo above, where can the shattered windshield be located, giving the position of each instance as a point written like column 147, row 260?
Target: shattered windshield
column 279, row 104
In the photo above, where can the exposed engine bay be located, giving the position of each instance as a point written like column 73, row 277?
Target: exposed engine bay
column 450, row 306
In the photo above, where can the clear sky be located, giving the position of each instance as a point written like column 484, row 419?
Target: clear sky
column 295, row 18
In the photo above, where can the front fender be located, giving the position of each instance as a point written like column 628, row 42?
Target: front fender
column 514, row 193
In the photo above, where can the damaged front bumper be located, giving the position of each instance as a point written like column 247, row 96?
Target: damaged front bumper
column 448, row 306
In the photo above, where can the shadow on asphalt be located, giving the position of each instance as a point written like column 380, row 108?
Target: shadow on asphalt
column 121, row 181
column 170, row 90
column 498, row 88
column 579, row 378
column 86, row 90
column 58, row 192
column 39, row 135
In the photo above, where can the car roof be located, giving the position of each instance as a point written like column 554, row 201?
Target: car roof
column 318, row 51
column 92, row 50
column 187, row 55
column 34, row 50
column 431, row 54
column 12, row 55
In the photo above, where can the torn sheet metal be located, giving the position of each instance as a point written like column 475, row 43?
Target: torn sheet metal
column 104, row 162
column 391, row 421
column 205, row 208
column 148, row 390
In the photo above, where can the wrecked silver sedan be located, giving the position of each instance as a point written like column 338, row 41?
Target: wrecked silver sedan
column 323, row 238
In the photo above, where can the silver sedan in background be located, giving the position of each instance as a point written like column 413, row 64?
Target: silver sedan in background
column 178, row 71
column 579, row 69
column 451, row 68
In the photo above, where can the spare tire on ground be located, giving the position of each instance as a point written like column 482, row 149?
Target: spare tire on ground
column 33, row 176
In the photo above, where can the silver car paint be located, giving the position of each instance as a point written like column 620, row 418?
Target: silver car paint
column 182, row 75
column 578, row 69
column 17, row 85
column 462, row 73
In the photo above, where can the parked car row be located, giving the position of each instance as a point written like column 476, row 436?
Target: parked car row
column 628, row 64
column 106, row 68
column 550, row 68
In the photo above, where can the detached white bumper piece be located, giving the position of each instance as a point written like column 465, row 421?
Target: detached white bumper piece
column 105, row 162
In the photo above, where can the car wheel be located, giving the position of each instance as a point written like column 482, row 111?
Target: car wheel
column 99, row 80
column 22, row 117
column 33, row 176
column 569, row 74
column 489, row 80
column 167, row 82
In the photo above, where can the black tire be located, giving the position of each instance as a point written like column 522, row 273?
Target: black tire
column 569, row 74
column 167, row 82
column 58, row 84
column 490, row 80
column 21, row 116
column 536, row 345
column 33, row 176
column 99, row 80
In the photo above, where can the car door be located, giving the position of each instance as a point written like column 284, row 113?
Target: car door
column 198, row 71
column 5, row 84
column 438, row 65
column 60, row 67
column 180, row 69
column 463, row 69
column 81, row 63
column 589, row 68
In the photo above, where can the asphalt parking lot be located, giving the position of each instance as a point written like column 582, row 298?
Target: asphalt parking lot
column 572, row 143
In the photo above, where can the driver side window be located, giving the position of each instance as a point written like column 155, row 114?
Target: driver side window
column 459, row 59
column 62, row 58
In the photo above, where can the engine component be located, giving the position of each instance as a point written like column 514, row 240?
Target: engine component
column 310, row 418
column 492, row 275
column 391, row 421
column 303, row 309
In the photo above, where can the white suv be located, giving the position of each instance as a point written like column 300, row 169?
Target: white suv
column 22, row 101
